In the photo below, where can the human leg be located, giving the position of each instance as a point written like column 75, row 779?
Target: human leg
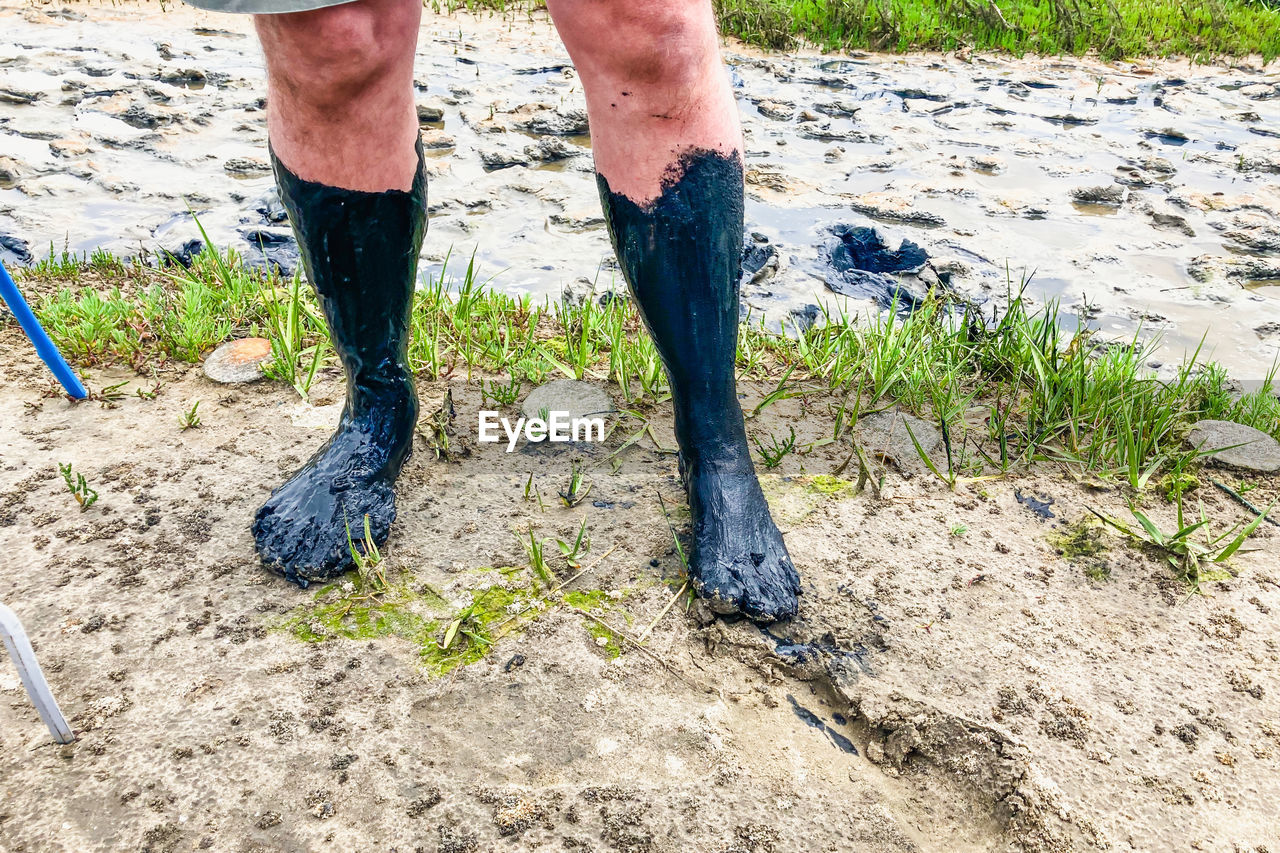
column 348, row 166
column 668, row 151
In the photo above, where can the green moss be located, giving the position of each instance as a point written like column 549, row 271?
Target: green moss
column 591, row 599
column 476, row 625
column 399, row 612
column 605, row 639
column 423, row 618
column 825, row 484
column 1098, row 570
column 1081, row 539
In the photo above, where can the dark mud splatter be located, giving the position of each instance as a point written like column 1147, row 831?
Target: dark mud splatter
column 814, row 721
column 1040, row 506
column 863, row 266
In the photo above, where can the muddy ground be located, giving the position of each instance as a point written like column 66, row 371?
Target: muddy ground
column 952, row 683
column 1145, row 195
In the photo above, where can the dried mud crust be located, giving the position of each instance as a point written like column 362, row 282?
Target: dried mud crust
column 997, row 696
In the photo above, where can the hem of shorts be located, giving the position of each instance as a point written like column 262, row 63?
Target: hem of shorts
column 263, row 7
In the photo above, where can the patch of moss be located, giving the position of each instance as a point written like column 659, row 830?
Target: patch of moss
column 359, row 617
column 605, row 639
column 1080, row 539
column 1098, row 570
column 422, row 617
column 590, row 599
column 825, row 484
column 476, row 624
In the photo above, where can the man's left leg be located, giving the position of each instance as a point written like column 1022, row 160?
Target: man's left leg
column 668, row 150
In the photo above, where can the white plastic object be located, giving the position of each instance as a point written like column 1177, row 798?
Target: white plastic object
column 24, row 658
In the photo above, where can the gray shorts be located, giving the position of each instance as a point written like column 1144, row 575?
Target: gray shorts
column 264, row 7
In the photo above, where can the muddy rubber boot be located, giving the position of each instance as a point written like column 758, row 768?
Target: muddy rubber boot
column 681, row 255
column 360, row 251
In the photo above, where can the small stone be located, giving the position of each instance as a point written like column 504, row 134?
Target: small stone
column 838, row 109
column 584, row 219
column 549, row 149
column 10, row 171
column 68, row 147
column 1252, row 268
column 436, row 139
column 1256, row 451
column 986, row 163
column 889, row 207
column 238, row 361
column 430, row 112
column 776, row 110
column 19, row 96
column 499, row 158
column 183, row 77
column 578, row 399
column 889, row 434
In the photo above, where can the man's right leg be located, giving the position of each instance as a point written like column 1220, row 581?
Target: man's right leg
column 344, row 148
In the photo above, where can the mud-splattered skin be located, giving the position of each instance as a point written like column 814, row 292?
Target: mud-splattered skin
column 680, row 253
column 360, row 251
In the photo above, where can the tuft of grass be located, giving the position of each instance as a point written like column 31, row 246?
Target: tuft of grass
column 1197, row 560
column 299, row 336
column 577, row 489
column 189, row 419
column 1008, row 390
column 534, row 549
column 581, row 545
column 368, row 561
column 777, row 449
column 79, row 488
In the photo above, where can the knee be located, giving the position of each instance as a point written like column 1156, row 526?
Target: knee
column 336, row 53
column 653, row 43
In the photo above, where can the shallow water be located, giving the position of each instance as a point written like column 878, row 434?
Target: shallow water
column 106, row 141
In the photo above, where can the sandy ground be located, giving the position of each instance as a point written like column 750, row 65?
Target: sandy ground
column 944, row 689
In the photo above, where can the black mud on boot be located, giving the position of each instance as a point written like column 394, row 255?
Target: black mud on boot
column 681, row 255
column 360, row 251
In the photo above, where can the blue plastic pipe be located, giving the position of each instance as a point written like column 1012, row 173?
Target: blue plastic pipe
column 44, row 347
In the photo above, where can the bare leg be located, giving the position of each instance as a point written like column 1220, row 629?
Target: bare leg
column 668, row 148
column 347, row 162
column 340, row 92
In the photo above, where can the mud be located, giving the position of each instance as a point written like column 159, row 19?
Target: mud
column 999, row 695
column 360, row 252
column 680, row 255
column 1144, row 194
